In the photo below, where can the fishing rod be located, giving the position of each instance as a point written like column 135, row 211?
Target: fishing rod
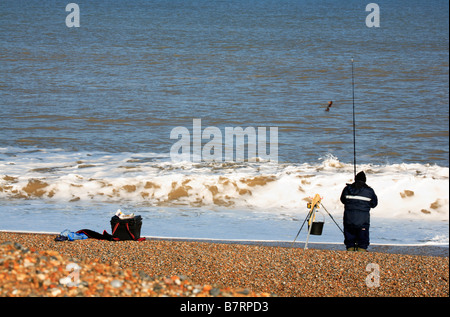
column 354, row 126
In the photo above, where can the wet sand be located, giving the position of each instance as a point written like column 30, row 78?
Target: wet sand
column 428, row 250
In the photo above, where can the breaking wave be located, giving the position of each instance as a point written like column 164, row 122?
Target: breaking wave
column 404, row 190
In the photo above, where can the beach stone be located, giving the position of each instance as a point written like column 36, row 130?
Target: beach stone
column 214, row 291
column 116, row 283
column 55, row 291
column 157, row 287
column 144, row 275
column 244, row 291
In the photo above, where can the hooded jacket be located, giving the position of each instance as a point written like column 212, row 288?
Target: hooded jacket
column 358, row 198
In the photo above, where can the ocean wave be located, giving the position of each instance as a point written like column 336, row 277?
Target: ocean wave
column 440, row 239
column 404, row 190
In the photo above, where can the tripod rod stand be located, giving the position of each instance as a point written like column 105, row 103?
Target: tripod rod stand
column 314, row 205
column 308, row 216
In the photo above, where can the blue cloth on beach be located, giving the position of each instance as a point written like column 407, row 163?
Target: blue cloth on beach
column 71, row 236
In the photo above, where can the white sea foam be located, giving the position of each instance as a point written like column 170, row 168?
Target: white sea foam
column 404, row 190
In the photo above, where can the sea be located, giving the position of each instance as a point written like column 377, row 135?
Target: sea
column 93, row 95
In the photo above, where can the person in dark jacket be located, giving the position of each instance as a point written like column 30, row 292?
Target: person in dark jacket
column 358, row 198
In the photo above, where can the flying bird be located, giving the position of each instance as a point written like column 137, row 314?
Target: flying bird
column 329, row 105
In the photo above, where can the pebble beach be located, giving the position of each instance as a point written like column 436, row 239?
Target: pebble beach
column 37, row 265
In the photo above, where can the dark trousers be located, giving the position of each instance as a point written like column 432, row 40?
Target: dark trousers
column 356, row 237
